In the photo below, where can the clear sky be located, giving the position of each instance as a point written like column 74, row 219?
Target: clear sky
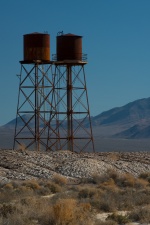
column 116, row 37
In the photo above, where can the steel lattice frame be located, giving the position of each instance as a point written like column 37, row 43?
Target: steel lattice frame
column 70, row 123
column 34, row 105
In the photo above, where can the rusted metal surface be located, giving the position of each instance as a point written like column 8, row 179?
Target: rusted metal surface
column 35, row 88
column 70, row 122
column 33, row 107
column 36, row 47
column 53, row 105
column 69, row 47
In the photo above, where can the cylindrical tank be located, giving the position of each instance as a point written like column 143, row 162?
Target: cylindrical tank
column 69, row 47
column 36, row 47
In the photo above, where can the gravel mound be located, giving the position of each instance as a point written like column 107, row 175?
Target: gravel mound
column 23, row 165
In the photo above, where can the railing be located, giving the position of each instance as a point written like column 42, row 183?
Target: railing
column 54, row 57
column 81, row 57
column 84, row 57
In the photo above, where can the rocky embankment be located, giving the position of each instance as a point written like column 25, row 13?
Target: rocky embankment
column 22, row 165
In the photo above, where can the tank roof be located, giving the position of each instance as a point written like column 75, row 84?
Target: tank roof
column 35, row 33
column 69, row 34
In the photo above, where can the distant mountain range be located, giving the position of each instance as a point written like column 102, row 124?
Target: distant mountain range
column 131, row 121
column 134, row 112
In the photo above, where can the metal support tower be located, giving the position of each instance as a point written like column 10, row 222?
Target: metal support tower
column 34, row 105
column 70, row 123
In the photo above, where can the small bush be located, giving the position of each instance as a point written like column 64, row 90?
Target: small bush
column 109, row 174
column 141, row 197
column 86, row 206
column 53, row 187
column 15, row 184
column 120, row 219
column 6, row 209
column 141, row 215
column 8, row 186
column 64, row 211
column 145, row 176
column 15, row 219
column 109, row 185
column 28, row 201
column 33, row 184
column 126, row 180
column 24, row 191
column 141, row 183
column 113, row 174
column 58, row 179
column 108, row 222
column 98, row 179
column 70, row 212
column 87, row 192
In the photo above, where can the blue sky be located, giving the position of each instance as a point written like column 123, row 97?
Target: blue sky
column 116, row 37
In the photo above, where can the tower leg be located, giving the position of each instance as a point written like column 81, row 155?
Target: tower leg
column 33, row 107
column 71, row 110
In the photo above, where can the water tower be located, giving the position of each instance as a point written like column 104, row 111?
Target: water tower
column 35, row 88
column 70, row 124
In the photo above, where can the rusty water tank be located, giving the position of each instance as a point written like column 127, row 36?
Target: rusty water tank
column 37, row 47
column 69, row 47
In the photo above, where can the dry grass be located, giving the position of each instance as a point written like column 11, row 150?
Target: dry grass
column 114, row 156
column 64, row 210
column 141, row 215
column 108, row 222
column 22, row 146
column 32, row 184
column 145, row 176
column 23, row 203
